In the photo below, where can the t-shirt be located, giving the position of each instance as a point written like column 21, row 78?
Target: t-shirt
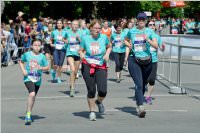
column 117, row 42
column 84, row 32
column 154, row 52
column 95, row 48
column 32, row 63
column 57, row 37
column 140, row 47
column 73, row 45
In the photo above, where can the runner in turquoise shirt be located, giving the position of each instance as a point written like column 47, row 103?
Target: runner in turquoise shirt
column 94, row 52
column 32, row 64
column 118, row 49
column 139, row 62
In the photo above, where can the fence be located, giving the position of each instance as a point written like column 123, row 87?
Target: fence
column 179, row 63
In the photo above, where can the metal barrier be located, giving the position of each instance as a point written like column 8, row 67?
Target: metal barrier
column 178, row 88
column 11, row 60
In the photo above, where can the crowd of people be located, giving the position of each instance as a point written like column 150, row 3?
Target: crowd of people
column 42, row 46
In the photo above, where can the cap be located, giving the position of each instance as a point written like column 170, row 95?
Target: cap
column 142, row 15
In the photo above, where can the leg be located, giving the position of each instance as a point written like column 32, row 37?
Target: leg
column 72, row 74
column 90, row 84
column 117, row 65
column 136, row 74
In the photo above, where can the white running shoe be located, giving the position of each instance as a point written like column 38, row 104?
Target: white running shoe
column 92, row 116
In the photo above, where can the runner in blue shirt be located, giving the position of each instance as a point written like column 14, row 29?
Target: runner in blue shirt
column 32, row 64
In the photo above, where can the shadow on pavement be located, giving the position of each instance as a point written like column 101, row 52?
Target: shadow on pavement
column 131, row 110
column 68, row 92
column 55, row 81
column 85, row 114
column 34, row 117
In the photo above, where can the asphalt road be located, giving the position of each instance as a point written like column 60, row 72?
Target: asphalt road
column 56, row 112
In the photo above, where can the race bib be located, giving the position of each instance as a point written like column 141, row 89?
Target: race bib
column 95, row 48
column 118, row 42
column 34, row 76
column 74, row 47
column 140, row 43
column 48, row 38
column 59, row 45
column 93, row 60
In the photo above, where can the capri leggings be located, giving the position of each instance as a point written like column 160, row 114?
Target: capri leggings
column 99, row 79
column 59, row 56
column 119, row 61
column 152, row 76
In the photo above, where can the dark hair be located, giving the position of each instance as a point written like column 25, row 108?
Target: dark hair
column 117, row 24
column 57, row 21
column 34, row 40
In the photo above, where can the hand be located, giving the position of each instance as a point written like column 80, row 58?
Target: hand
column 82, row 55
column 52, row 45
column 106, row 57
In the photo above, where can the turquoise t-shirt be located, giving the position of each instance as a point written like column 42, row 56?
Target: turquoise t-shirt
column 154, row 52
column 126, row 30
column 117, row 42
column 32, row 62
column 84, row 32
column 140, row 47
column 45, row 28
column 189, row 27
column 57, row 37
column 73, row 43
column 95, row 48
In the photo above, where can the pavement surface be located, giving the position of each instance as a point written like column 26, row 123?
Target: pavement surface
column 55, row 112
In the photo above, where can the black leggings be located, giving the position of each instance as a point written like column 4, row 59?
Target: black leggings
column 152, row 76
column 32, row 87
column 99, row 79
column 119, row 61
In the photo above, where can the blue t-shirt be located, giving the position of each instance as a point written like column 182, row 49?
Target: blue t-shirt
column 32, row 63
column 57, row 37
column 154, row 52
column 117, row 42
column 140, row 47
column 73, row 45
column 95, row 48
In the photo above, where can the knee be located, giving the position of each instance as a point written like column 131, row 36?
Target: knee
column 102, row 93
column 91, row 94
column 151, row 82
column 32, row 94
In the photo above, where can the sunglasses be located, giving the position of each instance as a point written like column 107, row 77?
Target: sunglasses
column 141, row 19
column 151, row 24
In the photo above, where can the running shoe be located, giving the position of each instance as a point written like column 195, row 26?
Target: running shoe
column 28, row 120
column 71, row 94
column 92, row 116
column 118, row 80
column 141, row 112
column 100, row 106
column 53, row 74
column 59, row 80
column 148, row 100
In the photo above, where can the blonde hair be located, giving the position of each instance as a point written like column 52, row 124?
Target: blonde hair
column 94, row 22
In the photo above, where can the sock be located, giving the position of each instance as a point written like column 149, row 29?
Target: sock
column 28, row 114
